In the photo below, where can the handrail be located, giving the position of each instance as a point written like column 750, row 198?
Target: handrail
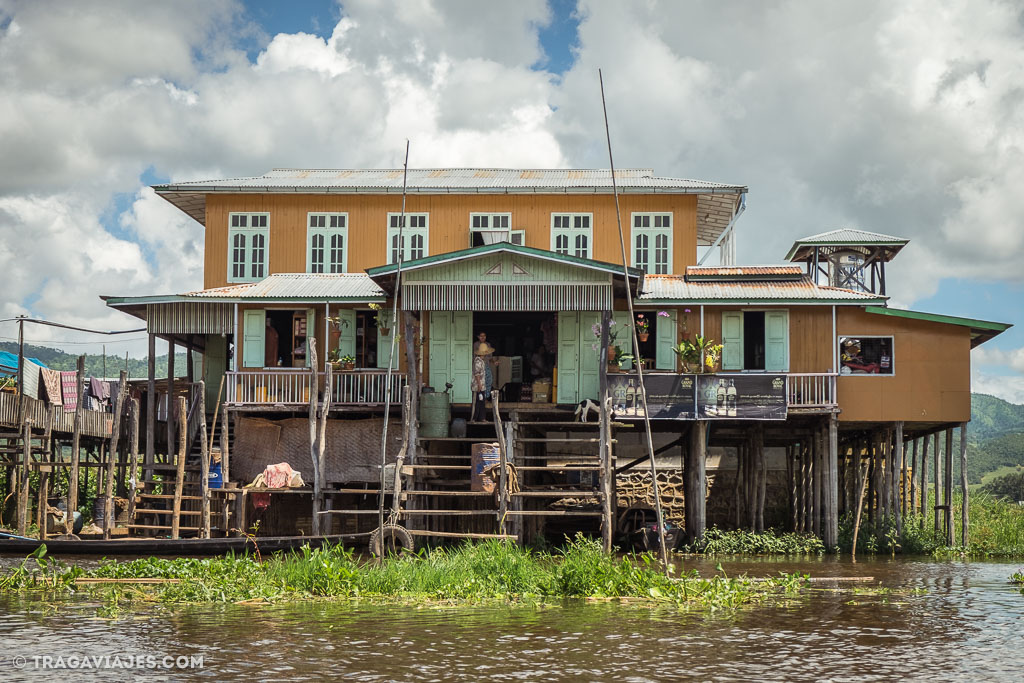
column 291, row 387
column 811, row 390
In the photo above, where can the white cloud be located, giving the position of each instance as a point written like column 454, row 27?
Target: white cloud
column 1007, row 388
column 1010, row 358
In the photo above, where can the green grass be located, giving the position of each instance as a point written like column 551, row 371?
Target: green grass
column 741, row 542
column 489, row 571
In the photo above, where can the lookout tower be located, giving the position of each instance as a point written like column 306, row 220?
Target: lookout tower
column 851, row 259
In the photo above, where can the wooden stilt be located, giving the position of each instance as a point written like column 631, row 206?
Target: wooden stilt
column 762, row 474
column 948, row 489
column 317, row 490
column 204, row 464
column 695, row 497
column 817, row 459
column 604, row 441
column 76, row 443
column 171, row 400
column 115, row 435
column 912, row 479
column 225, row 470
column 151, row 404
column 898, row 471
column 790, row 487
column 863, row 478
column 41, row 496
column 964, row 509
column 924, row 480
column 26, row 461
column 737, row 488
column 936, row 485
column 179, row 481
column 133, row 455
column 831, row 530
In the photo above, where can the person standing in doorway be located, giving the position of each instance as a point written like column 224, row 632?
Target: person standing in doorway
column 270, row 359
column 483, row 377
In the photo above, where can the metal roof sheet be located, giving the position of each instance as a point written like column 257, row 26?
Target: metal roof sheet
column 451, row 179
column 332, row 286
column 851, row 236
column 744, row 271
column 677, row 288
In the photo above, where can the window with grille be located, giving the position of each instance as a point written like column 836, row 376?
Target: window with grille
column 572, row 234
column 652, row 242
column 248, row 239
column 415, row 236
column 327, row 236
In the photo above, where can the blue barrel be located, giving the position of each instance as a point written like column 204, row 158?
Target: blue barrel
column 216, row 478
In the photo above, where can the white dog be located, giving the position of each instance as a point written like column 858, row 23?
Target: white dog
column 584, row 408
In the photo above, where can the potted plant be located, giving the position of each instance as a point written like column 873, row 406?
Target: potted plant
column 347, row 362
column 688, row 354
column 704, row 345
column 642, row 325
column 614, row 351
column 384, row 319
column 336, row 325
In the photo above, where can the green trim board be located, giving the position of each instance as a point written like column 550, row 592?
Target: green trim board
column 940, row 318
column 747, row 301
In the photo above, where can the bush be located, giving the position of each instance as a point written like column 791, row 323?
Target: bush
column 740, row 542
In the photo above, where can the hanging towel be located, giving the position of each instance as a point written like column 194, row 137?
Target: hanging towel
column 69, row 388
column 99, row 389
column 51, row 380
column 31, row 373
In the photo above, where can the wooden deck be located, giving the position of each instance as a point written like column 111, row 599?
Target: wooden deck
column 94, row 422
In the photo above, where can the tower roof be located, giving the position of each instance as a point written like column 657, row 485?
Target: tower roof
column 886, row 246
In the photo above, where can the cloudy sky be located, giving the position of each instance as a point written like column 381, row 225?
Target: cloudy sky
column 900, row 117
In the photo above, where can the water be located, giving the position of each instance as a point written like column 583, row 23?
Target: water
column 968, row 625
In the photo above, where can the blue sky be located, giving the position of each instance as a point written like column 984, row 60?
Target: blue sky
column 887, row 117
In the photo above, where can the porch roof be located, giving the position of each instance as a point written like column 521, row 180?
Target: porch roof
column 333, row 287
column 981, row 330
column 669, row 289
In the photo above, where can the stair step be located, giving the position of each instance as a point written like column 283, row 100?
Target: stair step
column 446, row 493
column 557, row 494
column 152, row 511
column 558, row 440
column 554, row 513
column 559, row 468
column 160, row 526
column 409, row 469
column 165, row 496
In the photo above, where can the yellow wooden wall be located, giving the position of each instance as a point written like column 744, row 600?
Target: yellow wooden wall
column 932, row 371
column 449, row 224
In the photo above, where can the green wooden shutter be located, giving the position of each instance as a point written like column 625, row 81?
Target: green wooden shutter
column 254, row 338
column 776, row 341
column 625, row 336
column 732, row 340
column 665, row 338
column 384, row 349
column 462, row 356
column 590, row 359
column 347, row 339
column 568, row 357
column 439, row 348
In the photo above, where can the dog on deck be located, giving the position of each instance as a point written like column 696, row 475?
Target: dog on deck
column 584, row 408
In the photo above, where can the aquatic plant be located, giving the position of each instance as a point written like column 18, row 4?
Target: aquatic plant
column 717, row 541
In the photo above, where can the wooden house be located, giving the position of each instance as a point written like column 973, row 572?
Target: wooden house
column 813, row 361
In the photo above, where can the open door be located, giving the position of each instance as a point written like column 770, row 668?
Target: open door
column 451, row 352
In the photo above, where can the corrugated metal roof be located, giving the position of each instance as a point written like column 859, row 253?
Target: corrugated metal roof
column 851, row 236
column 450, row 179
column 676, row 288
column 743, row 271
column 325, row 286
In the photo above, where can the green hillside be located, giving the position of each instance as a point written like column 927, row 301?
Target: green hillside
column 992, row 417
column 56, row 359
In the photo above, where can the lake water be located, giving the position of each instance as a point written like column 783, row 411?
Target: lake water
column 965, row 622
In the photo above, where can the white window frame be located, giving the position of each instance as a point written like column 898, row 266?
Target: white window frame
column 240, row 225
column 892, row 360
column 572, row 233
column 411, row 230
column 652, row 232
column 328, row 226
column 482, row 222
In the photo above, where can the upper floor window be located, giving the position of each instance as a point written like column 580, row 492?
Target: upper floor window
column 248, row 246
column 652, row 242
column 572, row 233
column 865, row 355
column 415, row 236
column 490, row 228
column 327, row 243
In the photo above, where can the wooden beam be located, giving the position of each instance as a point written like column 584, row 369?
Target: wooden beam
column 115, row 435
column 76, row 444
column 179, row 481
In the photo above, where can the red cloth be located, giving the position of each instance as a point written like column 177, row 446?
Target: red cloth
column 69, row 389
column 51, row 380
column 274, row 477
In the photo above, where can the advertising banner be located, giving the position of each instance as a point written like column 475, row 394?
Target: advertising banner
column 741, row 397
column 669, row 396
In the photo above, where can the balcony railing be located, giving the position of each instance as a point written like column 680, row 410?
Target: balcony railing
column 291, row 387
column 811, row 390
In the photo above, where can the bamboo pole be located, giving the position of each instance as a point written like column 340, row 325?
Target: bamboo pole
column 964, row 510
column 76, row 444
column 948, row 489
column 311, row 342
column 924, row 480
column 225, row 471
column 204, row 465
column 898, row 472
column 864, row 478
column 912, row 503
column 216, row 412
column 41, row 495
column 115, row 435
column 179, row 480
column 26, row 459
column 151, row 407
column 171, row 402
column 935, row 474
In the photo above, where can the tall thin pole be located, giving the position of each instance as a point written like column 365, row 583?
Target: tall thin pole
column 391, row 355
column 636, row 341
column 21, row 369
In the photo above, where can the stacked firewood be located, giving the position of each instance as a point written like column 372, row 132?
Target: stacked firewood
column 634, row 489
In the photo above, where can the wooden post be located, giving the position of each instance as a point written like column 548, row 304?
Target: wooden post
column 179, row 481
column 924, row 480
column 695, row 496
column 171, row 401
column 311, row 344
column 26, row 459
column 790, row 488
column 115, row 435
column 898, row 471
column 133, row 455
column 604, row 417
column 76, row 444
column 948, row 488
column 190, row 370
column 818, row 484
column 737, row 486
column 225, row 470
column 44, row 485
column 204, row 464
column 831, row 530
column 151, row 404
column 964, row 511
column 935, row 475
column 912, row 501
column 862, row 478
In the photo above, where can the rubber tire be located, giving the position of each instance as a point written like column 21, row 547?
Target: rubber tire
column 396, row 539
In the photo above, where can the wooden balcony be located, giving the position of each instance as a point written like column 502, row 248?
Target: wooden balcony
column 811, row 391
column 291, row 387
column 94, row 422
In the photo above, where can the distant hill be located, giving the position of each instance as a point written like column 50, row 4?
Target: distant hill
column 56, row 359
column 995, row 436
column 991, row 417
